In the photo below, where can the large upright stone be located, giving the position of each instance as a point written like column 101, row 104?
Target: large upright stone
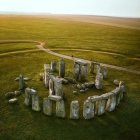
column 58, row 88
column 47, row 106
column 60, row 109
column 53, row 66
column 98, row 68
column 74, row 110
column 92, row 67
column 35, row 102
column 111, row 103
column 122, row 89
column 80, row 70
column 99, row 81
column 28, row 97
column 76, row 71
column 83, row 73
column 46, row 75
column 21, row 82
column 104, row 72
column 102, row 104
column 62, row 68
column 88, row 110
column 51, row 86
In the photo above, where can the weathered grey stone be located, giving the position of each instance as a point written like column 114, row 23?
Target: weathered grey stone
column 99, row 81
column 117, row 92
column 88, row 110
column 58, row 88
column 101, row 105
column 47, row 68
column 76, row 71
column 104, row 72
column 13, row 101
column 111, row 103
column 21, row 82
column 116, row 82
column 82, row 91
column 47, row 106
column 46, row 75
column 17, row 93
column 89, row 84
column 98, row 68
column 51, row 87
column 74, row 110
column 53, row 66
column 60, row 109
column 92, row 67
column 83, row 73
column 35, row 103
column 62, row 68
column 28, row 98
column 78, row 86
column 83, row 86
column 122, row 89
column 54, row 97
column 74, row 92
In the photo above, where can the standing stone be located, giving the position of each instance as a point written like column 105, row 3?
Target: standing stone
column 76, row 71
column 51, row 87
column 60, row 109
column 21, row 82
column 35, row 103
column 53, row 66
column 122, row 89
column 104, row 72
column 111, row 103
column 80, row 70
column 117, row 92
column 98, row 68
column 58, row 88
column 99, row 81
column 28, row 97
column 88, row 110
column 62, row 68
column 47, row 106
column 46, row 75
column 92, row 67
column 101, row 106
column 74, row 110
column 83, row 73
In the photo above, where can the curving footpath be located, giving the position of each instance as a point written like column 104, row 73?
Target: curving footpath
column 40, row 45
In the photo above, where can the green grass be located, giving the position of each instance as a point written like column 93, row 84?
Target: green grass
column 16, row 47
column 20, row 122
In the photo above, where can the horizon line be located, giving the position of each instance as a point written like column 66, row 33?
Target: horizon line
column 48, row 13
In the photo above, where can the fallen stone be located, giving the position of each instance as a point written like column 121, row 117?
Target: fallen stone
column 13, row 101
column 74, row 92
column 82, row 91
column 89, row 84
column 54, row 97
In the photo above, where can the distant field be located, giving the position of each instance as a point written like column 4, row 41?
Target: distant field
column 20, row 122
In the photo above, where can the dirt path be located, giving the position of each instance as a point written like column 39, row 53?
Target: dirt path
column 40, row 45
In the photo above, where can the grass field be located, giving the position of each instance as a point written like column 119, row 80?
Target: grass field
column 20, row 122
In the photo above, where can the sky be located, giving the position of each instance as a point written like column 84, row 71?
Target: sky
column 121, row 8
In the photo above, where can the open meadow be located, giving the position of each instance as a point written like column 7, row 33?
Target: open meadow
column 102, row 43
